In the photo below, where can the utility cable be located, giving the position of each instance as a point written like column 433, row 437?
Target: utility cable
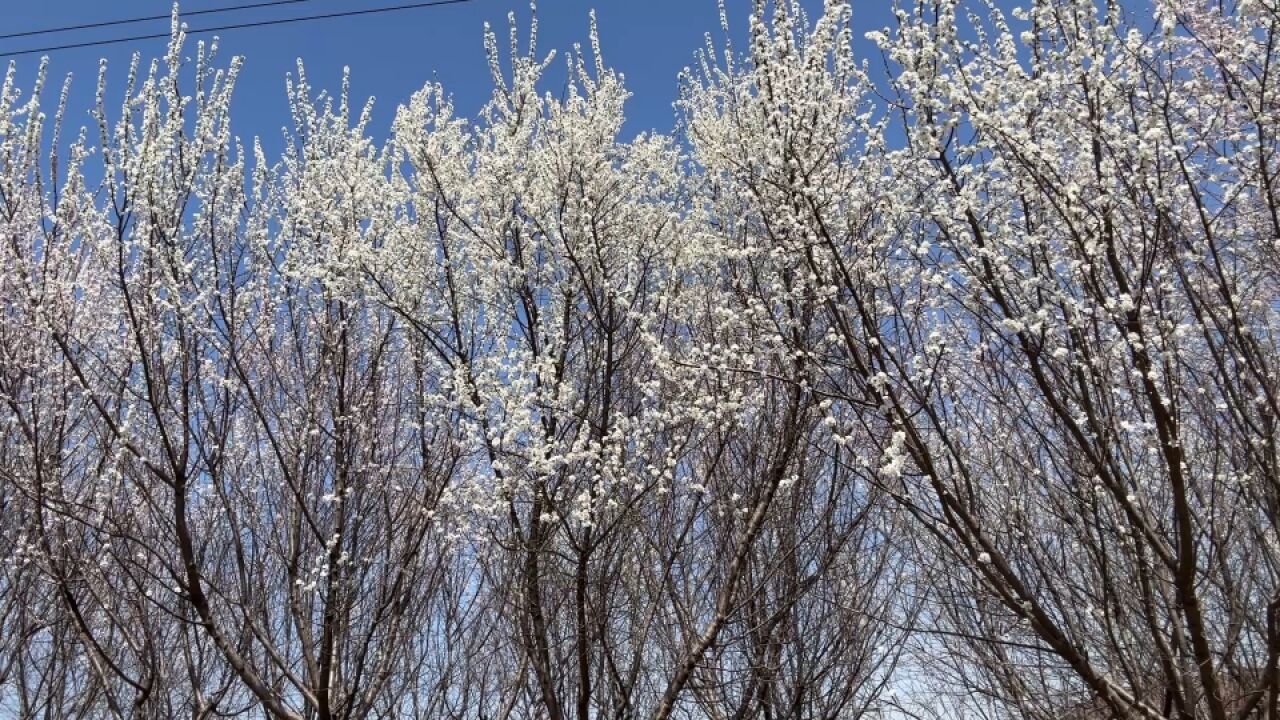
column 149, row 18
column 238, row 26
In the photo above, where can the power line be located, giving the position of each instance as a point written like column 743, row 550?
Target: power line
column 149, row 18
column 238, row 26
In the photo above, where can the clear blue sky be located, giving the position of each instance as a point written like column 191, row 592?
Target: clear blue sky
column 392, row 55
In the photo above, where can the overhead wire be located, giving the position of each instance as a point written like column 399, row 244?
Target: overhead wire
column 147, row 18
column 238, row 26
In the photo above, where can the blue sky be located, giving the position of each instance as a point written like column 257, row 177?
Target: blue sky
column 392, row 55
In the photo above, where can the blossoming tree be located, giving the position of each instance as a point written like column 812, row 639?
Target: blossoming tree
column 942, row 391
